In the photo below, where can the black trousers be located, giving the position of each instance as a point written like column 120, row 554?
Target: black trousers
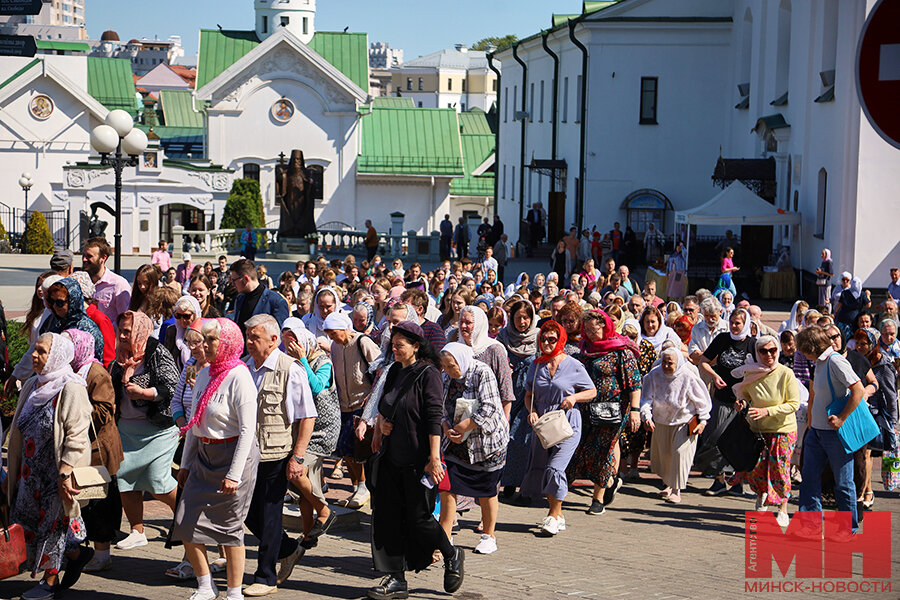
column 103, row 517
column 371, row 251
column 446, row 248
column 404, row 531
column 264, row 519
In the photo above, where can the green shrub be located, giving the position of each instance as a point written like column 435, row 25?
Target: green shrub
column 4, row 237
column 38, row 239
column 17, row 344
column 244, row 205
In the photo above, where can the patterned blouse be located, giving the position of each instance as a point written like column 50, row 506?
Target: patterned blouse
column 485, row 448
column 648, row 357
column 497, row 359
column 614, row 374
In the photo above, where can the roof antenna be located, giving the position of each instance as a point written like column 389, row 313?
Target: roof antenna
column 346, row 28
column 219, row 26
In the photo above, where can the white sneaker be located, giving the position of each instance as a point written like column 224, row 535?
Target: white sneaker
column 782, row 518
column 205, row 594
column 562, row 523
column 760, row 503
column 359, row 498
column 487, row 545
column 135, row 539
column 549, row 526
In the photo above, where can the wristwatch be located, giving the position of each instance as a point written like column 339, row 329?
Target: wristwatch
column 64, row 476
column 298, row 459
column 633, row 409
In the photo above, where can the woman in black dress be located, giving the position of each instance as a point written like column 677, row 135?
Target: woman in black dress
column 559, row 261
column 404, row 474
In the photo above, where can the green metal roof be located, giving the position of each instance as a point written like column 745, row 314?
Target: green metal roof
column 67, row 46
column 558, row 20
column 167, row 133
column 19, row 73
column 178, row 109
column 478, row 144
column 348, row 52
column 591, row 6
column 110, row 81
column 221, row 49
column 411, row 141
column 392, row 102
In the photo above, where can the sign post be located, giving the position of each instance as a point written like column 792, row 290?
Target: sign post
column 17, row 45
column 878, row 70
column 20, row 7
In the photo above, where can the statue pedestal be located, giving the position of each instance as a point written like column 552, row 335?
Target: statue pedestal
column 293, row 249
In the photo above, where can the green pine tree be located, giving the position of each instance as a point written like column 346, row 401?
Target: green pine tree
column 244, row 205
column 38, row 239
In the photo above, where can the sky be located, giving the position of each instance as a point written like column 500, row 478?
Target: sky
column 418, row 27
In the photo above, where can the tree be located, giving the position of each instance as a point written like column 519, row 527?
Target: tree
column 244, row 206
column 501, row 43
column 4, row 239
column 38, row 239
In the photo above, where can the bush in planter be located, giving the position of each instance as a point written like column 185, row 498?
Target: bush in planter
column 4, row 239
column 244, row 205
column 38, row 239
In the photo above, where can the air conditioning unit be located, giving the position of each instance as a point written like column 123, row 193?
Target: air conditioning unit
column 520, row 115
column 827, row 77
column 744, row 89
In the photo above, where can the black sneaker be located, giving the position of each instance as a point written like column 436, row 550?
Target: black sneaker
column 454, row 571
column 319, row 528
column 736, row 490
column 389, row 589
column 75, row 567
column 596, row 508
column 609, row 494
column 716, row 489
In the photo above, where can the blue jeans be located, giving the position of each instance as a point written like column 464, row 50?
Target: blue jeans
column 821, row 447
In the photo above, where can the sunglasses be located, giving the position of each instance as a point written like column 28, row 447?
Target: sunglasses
column 834, row 337
column 59, row 302
column 547, row 340
column 769, row 351
column 181, row 316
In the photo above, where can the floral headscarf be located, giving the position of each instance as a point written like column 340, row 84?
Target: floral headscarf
column 84, row 281
column 76, row 317
column 370, row 314
column 141, row 328
column 560, row 344
column 610, row 340
column 185, row 303
column 228, row 357
column 57, row 372
column 84, row 350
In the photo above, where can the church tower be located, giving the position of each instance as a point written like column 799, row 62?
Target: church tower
column 298, row 16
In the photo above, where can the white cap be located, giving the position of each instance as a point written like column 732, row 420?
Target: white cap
column 50, row 280
column 336, row 321
column 187, row 257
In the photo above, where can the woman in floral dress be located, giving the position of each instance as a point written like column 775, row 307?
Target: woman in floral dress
column 41, row 460
column 611, row 362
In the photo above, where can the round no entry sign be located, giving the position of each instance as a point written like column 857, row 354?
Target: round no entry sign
column 878, row 70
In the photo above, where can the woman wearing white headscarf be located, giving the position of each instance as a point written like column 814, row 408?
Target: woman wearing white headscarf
column 851, row 301
column 794, row 322
column 326, row 302
column 473, row 332
column 521, row 280
column 301, row 345
column 728, row 351
column 823, row 277
column 186, row 311
column 48, row 439
column 673, row 394
column 475, row 439
column 655, row 331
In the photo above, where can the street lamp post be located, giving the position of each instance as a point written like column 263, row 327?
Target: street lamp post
column 118, row 135
column 25, row 181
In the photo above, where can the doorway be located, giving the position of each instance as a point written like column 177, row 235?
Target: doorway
column 173, row 215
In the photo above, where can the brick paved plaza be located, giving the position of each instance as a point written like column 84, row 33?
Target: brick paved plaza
column 641, row 548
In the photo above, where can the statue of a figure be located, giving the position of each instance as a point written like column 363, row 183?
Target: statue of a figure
column 97, row 228
column 293, row 186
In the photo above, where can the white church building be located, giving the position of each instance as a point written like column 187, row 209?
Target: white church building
column 632, row 104
column 259, row 94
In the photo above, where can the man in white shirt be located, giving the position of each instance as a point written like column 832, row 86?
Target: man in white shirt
column 489, row 262
column 309, row 275
column 285, row 405
column 112, row 292
column 703, row 332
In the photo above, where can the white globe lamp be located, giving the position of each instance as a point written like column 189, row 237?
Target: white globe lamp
column 134, row 143
column 121, row 121
column 104, row 139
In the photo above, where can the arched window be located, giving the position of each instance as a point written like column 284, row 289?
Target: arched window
column 251, row 171
column 821, row 200
column 644, row 207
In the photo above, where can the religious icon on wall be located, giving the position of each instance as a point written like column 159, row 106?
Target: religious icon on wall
column 41, row 107
column 283, row 110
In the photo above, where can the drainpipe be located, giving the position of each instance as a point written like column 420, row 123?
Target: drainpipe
column 555, row 109
column 490, row 58
column 515, row 52
column 579, row 200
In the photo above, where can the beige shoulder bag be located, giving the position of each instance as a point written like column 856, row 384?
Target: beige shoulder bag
column 552, row 427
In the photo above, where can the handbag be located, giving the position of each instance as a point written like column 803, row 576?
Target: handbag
column 92, row 481
column 605, row 413
column 465, row 408
column 859, row 428
column 821, row 281
column 740, row 445
column 362, row 448
column 890, row 468
column 553, row 427
column 12, row 543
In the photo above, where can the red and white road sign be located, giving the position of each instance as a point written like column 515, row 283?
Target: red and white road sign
column 878, row 70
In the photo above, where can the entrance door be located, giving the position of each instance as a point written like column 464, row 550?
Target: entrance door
column 173, row 215
column 556, row 216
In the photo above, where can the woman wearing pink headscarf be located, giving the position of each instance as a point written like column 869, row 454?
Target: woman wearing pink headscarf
column 218, row 467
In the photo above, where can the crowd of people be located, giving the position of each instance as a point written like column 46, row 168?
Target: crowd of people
column 452, row 384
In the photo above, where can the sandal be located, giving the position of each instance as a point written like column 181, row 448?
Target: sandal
column 182, row 571
column 337, row 473
column 673, row 498
column 218, row 565
column 869, row 499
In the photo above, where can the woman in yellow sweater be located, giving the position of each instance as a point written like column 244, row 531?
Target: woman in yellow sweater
column 772, row 392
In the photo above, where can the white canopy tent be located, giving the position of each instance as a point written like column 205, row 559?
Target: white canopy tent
column 736, row 205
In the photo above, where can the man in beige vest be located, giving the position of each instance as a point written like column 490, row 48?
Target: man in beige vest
column 285, row 420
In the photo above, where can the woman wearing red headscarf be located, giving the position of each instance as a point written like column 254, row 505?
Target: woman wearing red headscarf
column 554, row 381
column 611, row 362
column 218, row 467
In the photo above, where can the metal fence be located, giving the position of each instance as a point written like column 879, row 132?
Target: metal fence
column 13, row 220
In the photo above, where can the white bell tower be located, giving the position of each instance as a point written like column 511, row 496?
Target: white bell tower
column 298, row 16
